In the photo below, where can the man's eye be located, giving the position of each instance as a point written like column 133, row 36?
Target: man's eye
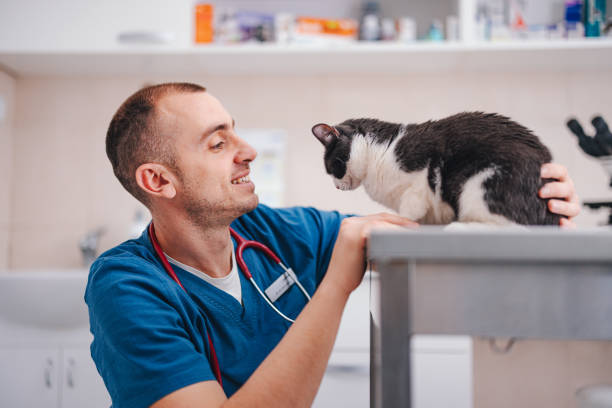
column 218, row 145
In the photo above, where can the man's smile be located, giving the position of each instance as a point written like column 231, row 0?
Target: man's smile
column 241, row 180
column 242, row 177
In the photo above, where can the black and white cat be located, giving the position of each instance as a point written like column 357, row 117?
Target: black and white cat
column 469, row 167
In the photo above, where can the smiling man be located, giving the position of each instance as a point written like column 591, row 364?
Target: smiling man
column 206, row 337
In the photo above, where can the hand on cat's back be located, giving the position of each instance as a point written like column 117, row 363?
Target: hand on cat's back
column 564, row 200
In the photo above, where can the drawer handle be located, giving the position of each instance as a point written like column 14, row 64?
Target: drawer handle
column 501, row 350
column 70, row 373
column 354, row 369
column 146, row 37
column 48, row 372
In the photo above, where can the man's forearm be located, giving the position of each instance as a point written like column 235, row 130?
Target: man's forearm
column 292, row 373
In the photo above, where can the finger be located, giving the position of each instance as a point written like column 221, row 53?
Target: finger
column 554, row 170
column 565, row 223
column 557, row 189
column 384, row 225
column 395, row 219
column 565, row 208
column 380, row 225
column 575, row 199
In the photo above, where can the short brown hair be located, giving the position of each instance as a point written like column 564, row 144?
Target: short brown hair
column 135, row 137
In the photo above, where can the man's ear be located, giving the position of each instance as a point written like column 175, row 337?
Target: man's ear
column 325, row 133
column 156, row 179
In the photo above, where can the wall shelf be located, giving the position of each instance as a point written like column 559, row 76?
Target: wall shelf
column 357, row 58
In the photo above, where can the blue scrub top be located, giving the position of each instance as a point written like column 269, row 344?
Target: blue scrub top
column 150, row 336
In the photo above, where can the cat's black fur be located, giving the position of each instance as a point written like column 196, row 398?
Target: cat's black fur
column 461, row 146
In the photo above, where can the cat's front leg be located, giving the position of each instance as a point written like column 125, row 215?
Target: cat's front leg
column 413, row 205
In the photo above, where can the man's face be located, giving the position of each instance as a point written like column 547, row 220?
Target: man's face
column 211, row 160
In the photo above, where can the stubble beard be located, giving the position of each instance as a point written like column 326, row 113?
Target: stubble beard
column 208, row 214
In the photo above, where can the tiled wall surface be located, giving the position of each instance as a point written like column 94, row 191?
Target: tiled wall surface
column 7, row 105
column 62, row 185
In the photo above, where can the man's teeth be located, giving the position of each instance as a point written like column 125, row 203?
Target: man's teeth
column 241, row 180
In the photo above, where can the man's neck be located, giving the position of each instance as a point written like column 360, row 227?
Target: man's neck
column 207, row 249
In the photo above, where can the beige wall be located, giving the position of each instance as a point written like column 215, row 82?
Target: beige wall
column 7, row 94
column 538, row 373
column 62, row 184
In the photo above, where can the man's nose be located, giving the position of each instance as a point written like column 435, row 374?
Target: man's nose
column 246, row 153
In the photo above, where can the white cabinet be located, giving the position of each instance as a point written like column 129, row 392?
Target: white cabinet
column 29, row 378
column 44, row 342
column 346, row 382
column 50, row 378
column 347, row 379
column 82, row 385
column 441, row 365
column 442, row 371
column 68, row 25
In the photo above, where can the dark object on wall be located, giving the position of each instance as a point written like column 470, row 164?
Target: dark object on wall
column 597, row 146
column 603, row 135
column 600, row 204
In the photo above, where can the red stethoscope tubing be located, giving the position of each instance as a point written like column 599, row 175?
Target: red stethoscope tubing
column 242, row 244
column 213, row 354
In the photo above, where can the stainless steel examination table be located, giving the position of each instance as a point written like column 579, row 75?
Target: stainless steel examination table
column 538, row 283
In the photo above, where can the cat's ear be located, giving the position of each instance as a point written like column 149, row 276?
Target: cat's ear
column 325, row 133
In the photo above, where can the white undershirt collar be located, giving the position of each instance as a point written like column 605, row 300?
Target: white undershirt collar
column 229, row 283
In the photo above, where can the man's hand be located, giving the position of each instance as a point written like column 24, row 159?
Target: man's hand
column 566, row 201
column 348, row 261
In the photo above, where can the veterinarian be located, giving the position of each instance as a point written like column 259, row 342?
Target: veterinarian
column 176, row 323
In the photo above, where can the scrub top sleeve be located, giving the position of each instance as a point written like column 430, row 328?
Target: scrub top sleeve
column 141, row 345
column 328, row 223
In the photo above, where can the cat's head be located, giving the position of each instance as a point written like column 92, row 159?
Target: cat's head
column 337, row 141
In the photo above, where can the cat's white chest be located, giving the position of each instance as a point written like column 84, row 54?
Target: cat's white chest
column 407, row 193
column 388, row 184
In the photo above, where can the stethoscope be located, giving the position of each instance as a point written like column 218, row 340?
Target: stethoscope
column 241, row 244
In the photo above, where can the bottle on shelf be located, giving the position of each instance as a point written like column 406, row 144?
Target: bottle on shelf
column 452, row 28
column 406, row 29
column 369, row 23
column 203, row 23
column 388, row 32
column 594, row 17
column 435, row 31
column 573, row 19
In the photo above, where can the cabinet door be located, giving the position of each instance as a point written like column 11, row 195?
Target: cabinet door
column 82, row 385
column 29, row 378
column 441, row 378
column 354, row 331
column 73, row 25
column 346, row 382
